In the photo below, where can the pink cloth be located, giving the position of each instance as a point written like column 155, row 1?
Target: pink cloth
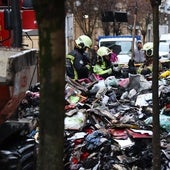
column 113, row 57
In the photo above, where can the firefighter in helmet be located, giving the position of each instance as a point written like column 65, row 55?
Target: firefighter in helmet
column 77, row 61
column 146, row 68
column 103, row 66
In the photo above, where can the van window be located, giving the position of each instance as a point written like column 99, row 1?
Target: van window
column 126, row 46
column 162, row 40
column 163, row 47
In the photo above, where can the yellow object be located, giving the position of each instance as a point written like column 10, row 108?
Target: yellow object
column 165, row 74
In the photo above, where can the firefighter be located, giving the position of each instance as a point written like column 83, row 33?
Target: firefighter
column 103, row 66
column 146, row 68
column 77, row 61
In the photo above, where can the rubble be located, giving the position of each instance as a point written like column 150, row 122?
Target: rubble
column 108, row 123
column 19, row 147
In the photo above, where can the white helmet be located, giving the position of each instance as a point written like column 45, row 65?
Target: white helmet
column 83, row 41
column 103, row 51
column 148, row 47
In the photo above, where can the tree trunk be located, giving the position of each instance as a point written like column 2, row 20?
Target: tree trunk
column 50, row 18
column 155, row 96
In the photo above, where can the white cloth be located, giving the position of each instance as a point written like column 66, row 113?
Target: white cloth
column 139, row 56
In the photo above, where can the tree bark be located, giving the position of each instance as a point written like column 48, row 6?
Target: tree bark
column 50, row 18
column 156, row 110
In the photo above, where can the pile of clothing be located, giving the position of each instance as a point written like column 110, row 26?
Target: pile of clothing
column 108, row 123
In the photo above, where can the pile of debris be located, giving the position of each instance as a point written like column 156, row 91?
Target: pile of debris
column 108, row 123
column 19, row 147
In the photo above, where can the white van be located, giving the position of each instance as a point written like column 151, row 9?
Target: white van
column 164, row 51
column 165, row 38
column 125, row 44
column 164, row 47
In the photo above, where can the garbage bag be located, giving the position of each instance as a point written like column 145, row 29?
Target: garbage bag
column 75, row 122
column 134, row 81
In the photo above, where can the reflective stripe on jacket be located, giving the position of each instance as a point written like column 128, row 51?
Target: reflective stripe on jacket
column 70, row 69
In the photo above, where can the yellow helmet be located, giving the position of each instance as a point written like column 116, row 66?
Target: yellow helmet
column 83, row 41
column 148, row 47
column 103, row 51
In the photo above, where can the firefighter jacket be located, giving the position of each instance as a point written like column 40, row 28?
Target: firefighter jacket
column 103, row 69
column 77, row 64
column 147, row 68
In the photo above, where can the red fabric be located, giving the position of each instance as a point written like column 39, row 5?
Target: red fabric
column 118, row 133
column 138, row 135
